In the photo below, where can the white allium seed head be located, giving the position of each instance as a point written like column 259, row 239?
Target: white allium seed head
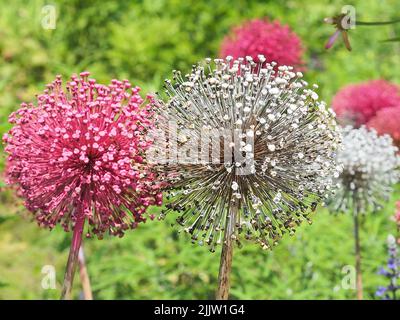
column 280, row 170
column 370, row 168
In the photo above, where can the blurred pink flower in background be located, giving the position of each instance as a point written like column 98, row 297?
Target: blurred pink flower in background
column 358, row 103
column 78, row 155
column 387, row 121
column 275, row 41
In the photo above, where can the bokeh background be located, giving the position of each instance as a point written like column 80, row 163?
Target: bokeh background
column 143, row 41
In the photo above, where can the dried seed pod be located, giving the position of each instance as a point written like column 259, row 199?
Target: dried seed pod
column 237, row 133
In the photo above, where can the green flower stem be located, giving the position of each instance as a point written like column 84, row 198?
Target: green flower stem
column 227, row 256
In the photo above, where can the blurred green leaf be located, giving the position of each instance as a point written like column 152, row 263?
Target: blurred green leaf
column 143, row 41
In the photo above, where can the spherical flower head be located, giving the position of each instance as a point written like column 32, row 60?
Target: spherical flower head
column 391, row 271
column 370, row 168
column 248, row 138
column 356, row 104
column 387, row 121
column 275, row 41
column 80, row 151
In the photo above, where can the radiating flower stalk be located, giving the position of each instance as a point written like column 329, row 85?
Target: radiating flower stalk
column 358, row 104
column 77, row 158
column 84, row 276
column 391, row 272
column 370, row 169
column 251, row 152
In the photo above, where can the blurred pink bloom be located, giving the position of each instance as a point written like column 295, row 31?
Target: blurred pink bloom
column 387, row 121
column 359, row 103
column 397, row 213
column 78, row 155
column 396, row 219
column 275, row 41
column 332, row 39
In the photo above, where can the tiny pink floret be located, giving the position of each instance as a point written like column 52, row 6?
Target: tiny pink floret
column 358, row 103
column 277, row 42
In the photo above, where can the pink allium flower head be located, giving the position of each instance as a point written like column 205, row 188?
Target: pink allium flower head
column 387, row 121
column 359, row 103
column 256, row 37
column 80, row 151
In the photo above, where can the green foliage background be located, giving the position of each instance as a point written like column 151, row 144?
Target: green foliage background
column 143, row 41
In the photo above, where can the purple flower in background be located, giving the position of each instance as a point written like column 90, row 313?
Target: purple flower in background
column 392, row 272
column 382, row 272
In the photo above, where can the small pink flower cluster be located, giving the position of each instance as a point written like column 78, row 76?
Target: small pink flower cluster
column 275, row 41
column 387, row 121
column 80, row 151
column 397, row 213
column 359, row 103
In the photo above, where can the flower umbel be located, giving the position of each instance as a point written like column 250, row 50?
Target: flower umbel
column 370, row 168
column 277, row 142
column 80, row 151
column 275, row 41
